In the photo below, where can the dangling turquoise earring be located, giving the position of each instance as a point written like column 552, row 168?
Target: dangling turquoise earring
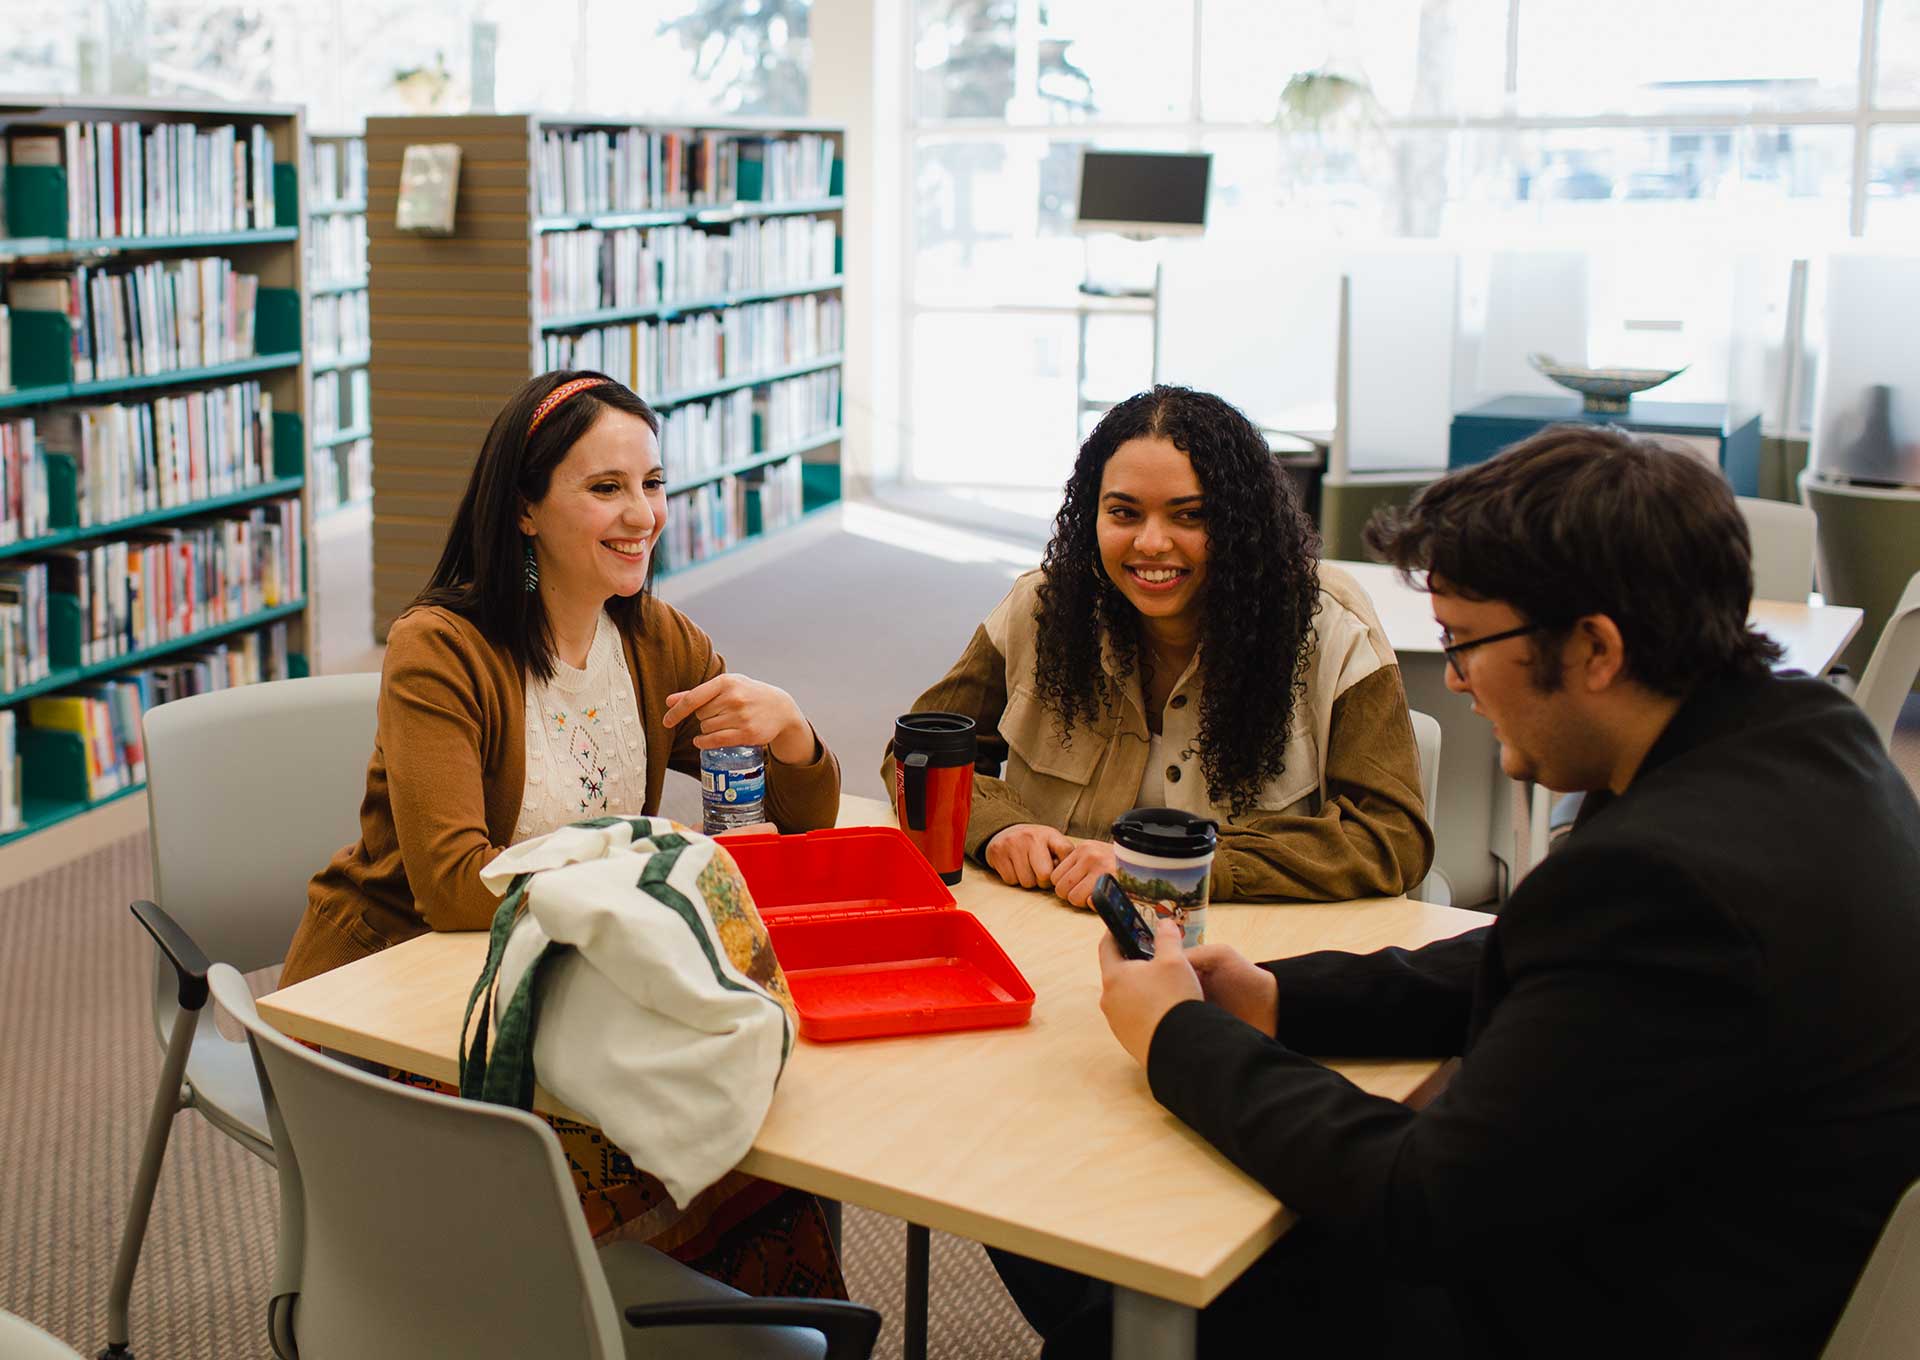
column 533, row 568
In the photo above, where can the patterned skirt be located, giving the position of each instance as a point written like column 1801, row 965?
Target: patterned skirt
column 762, row 1239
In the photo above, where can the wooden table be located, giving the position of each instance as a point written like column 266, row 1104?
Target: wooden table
column 1475, row 823
column 1042, row 1139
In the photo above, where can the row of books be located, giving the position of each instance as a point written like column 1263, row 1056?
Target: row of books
column 709, row 519
column 341, row 324
column 583, row 271
column 156, row 317
column 12, row 805
column 590, row 170
column 134, row 457
column 342, row 475
column 780, row 494
column 106, row 714
column 337, row 250
column 704, row 435
column 798, row 408
column 167, row 179
column 341, row 401
column 337, row 173
column 660, row 358
column 25, row 656
column 25, row 507
column 6, row 346
column 163, row 583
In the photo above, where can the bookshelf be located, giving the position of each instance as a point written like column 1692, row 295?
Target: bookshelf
column 573, row 248
column 336, row 198
column 155, row 517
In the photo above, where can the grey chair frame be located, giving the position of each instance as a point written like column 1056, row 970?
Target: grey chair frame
column 1882, row 1319
column 1894, row 665
column 250, row 791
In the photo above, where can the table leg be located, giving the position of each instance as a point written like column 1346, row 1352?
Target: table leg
column 919, row 1247
column 1147, row 1328
column 830, row 1209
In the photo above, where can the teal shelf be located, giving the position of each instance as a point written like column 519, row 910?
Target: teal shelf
column 34, row 396
column 180, row 377
column 668, row 310
column 358, row 285
column 358, row 358
column 758, row 460
column 73, row 675
column 805, row 366
column 280, row 486
column 42, row 246
column 41, row 813
column 343, row 208
column 334, row 441
column 667, row 217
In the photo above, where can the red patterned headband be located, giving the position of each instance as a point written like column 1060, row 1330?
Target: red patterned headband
column 558, row 395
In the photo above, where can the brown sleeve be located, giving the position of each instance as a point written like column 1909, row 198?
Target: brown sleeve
column 803, row 797
column 432, row 716
column 1369, row 839
column 977, row 687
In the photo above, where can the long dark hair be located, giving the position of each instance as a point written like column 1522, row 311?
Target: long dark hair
column 1262, row 586
column 482, row 570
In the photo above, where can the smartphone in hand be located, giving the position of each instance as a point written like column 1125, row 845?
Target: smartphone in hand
column 1133, row 935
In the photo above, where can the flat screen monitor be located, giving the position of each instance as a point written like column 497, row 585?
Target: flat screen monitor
column 1148, row 193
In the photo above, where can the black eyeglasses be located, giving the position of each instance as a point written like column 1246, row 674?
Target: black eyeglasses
column 1455, row 649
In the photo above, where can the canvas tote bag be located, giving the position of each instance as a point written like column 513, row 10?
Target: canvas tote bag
column 628, row 967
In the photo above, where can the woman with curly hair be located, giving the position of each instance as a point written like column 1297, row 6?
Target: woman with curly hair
column 1182, row 646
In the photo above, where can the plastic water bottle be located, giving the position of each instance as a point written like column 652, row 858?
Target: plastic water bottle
column 733, row 788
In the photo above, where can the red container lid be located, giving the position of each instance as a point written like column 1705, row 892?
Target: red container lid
column 842, row 870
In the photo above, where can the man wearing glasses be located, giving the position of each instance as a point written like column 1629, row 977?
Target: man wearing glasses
column 1689, row 1089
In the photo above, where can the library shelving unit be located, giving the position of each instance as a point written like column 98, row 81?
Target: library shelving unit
column 698, row 261
column 336, row 262
column 153, row 432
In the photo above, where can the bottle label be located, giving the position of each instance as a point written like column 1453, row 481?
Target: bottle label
column 735, row 787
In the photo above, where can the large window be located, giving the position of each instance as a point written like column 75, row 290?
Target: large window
column 344, row 59
column 1749, row 125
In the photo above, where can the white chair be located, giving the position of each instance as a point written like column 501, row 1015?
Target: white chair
column 1426, row 736
column 21, row 1340
column 1882, row 1318
column 1894, row 665
column 250, row 792
column 1783, row 537
column 425, row 1224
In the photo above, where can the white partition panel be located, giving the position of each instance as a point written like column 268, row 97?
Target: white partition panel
column 1403, row 305
column 1522, row 302
column 1866, row 417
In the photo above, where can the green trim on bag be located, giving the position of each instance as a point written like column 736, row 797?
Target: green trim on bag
column 509, row 1079
column 503, row 920
column 653, row 882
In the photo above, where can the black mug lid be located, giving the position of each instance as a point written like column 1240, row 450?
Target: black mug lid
column 935, row 734
column 1166, row 831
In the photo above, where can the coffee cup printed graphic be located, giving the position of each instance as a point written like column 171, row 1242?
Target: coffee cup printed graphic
column 1163, row 862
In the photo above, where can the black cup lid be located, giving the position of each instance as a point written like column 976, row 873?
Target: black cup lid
column 934, row 733
column 1166, row 831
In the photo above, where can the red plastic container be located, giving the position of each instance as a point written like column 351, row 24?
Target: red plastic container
column 870, row 939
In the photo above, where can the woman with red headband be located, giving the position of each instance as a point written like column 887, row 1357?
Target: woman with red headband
column 535, row 682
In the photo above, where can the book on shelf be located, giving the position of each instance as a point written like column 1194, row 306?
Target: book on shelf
column 707, row 520
column 341, row 325
column 134, row 457
column 701, row 436
column 6, row 331
column 337, row 250
column 795, row 409
column 659, row 359
column 25, row 503
column 128, row 179
column 589, row 270
column 339, row 172
column 594, row 170
column 777, row 495
column 90, row 718
column 64, row 293
column 788, row 169
column 341, row 402
column 164, row 315
column 25, row 652
column 12, row 805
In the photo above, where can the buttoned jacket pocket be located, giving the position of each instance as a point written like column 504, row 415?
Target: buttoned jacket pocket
column 1048, row 775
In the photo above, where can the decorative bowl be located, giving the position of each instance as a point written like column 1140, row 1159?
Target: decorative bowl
column 1607, row 390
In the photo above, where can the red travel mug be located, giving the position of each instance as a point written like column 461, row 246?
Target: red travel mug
column 933, row 786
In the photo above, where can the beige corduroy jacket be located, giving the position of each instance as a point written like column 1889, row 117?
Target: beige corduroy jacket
column 1344, row 818
column 448, row 775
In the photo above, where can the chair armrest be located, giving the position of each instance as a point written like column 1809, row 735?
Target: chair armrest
column 188, row 962
column 850, row 1328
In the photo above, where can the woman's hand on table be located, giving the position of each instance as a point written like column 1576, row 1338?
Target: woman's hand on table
column 1026, row 853
column 1075, row 875
column 1135, row 995
column 1243, row 989
column 737, row 710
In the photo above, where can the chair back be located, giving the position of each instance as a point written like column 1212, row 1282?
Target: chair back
column 1783, row 536
column 250, row 791
column 21, row 1340
column 1426, row 737
column 1882, row 1319
column 1894, row 665
column 429, row 1225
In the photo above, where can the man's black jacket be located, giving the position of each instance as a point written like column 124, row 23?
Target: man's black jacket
column 1690, row 1092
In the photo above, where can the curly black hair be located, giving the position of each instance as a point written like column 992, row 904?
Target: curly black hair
column 1257, row 606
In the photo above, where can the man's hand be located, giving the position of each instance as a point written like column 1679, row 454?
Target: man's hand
column 1075, row 875
column 1244, row 990
column 737, row 710
column 1135, row 995
column 1025, row 854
